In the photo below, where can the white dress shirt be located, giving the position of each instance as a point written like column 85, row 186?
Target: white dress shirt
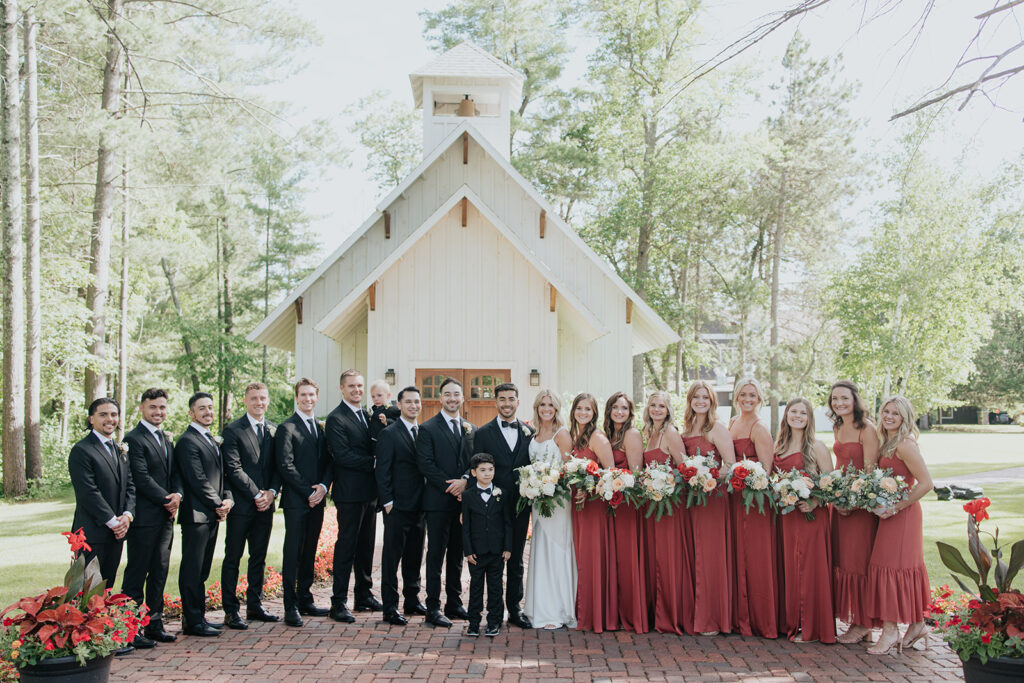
column 107, row 443
column 511, row 434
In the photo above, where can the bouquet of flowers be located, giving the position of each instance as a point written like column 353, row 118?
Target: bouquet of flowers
column 581, row 474
column 615, row 486
column 749, row 479
column 542, row 485
column 658, row 486
column 791, row 488
column 877, row 491
column 700, row 477
column 833, row 487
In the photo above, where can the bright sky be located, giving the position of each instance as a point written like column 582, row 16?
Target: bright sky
column 375, row 45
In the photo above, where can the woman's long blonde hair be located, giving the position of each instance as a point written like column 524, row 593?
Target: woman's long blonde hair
column 581, row 436
column 907, row 428
column 648, row 432
column 806, row 443
column 557, row 402
column 690, row 417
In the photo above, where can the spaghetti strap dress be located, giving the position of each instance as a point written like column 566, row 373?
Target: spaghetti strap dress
column 597, row 594
column 630, row 562
column 853, row 537
column 712, row 552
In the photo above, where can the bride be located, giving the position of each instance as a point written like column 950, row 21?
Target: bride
column 551, row 578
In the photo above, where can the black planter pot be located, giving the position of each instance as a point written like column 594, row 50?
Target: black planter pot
column 996, row 670
column 68, row 669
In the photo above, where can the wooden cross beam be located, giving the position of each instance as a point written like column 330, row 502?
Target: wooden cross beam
column 543, row 222
column 629, row 311
column 298, row 310
column 387, row 224
column 465, row 210
column 465, row 148
column 373, row 296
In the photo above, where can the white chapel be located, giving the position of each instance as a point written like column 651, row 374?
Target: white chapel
column 466, row 270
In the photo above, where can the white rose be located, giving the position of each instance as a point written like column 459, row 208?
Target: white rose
column 547, row 489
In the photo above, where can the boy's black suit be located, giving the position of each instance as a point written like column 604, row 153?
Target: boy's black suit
column 486, row 533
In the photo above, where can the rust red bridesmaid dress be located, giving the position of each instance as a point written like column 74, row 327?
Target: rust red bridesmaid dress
column 897, row 577
column 805, row 605
column 712, row 553
column 755, row 600
column 853, row 537
column 669, row 544
column 630, row 565
column 597, row 595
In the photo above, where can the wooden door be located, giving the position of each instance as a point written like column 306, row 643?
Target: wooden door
column 477, row 387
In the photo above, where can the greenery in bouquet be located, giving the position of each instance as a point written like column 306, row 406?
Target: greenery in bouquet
column 543, row 486
column 876, row 491
column 699, row 477
column 616, row 486
column 581, row 474
column 789, row 489
column 659, row 486
column 80, row 619
column 991, row 624
column 750, row 480
column 834, row 487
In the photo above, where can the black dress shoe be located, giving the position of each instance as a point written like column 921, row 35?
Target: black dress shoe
column 260, row 614
column 341, row 614
column 368, row 604
column 312, row 610
column 521, row 620
column 141, row 642
column 214, row 624
column 203, row 630
column 394, row 618
column 235, row 621
column 435, row 618
column 415, row 609
column 122, row 651
column 292, row 618
column 456, row 613
column 492, row 631
column 156, row 632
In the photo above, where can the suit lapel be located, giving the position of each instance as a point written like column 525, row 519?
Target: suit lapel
column 105, row 456
column 504, row 443
column 159, row 446
column 257, row 447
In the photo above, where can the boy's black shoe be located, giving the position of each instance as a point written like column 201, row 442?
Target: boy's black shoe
column 473, row 631
column 492, row 631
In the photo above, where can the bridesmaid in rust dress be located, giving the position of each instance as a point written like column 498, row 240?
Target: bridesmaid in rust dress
column 806, row 613
column 853, row 531
column 897, row 577
column 712, row 536
column 597, row 595
column 667, row 541
column 755, row 600
column 628, row 451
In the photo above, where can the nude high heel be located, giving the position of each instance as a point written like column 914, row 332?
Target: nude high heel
column 884, row 644
column 855, row 634
column 913, row 635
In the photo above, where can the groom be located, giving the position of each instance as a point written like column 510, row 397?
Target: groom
column 508, row 440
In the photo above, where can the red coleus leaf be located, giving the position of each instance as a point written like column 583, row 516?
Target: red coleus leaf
column 60, row 639
column 69, row 614
column 47, row 630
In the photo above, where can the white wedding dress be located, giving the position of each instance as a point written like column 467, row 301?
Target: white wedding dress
column 551, row 575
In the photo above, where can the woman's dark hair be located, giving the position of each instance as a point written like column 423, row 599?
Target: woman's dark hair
column 860, row 409
column 615, row 433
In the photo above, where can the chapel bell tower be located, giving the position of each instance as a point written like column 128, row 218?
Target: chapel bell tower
column 467, row 83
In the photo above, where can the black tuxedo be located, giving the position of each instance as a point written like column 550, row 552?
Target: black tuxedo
column 400, row 483
column 489, row 439
column 150, row 536
column 486, row 533
column 201, row 468
column 302, row 462
column 355, row 498
column 443, row 456
column 103, row 489
column 249, row 468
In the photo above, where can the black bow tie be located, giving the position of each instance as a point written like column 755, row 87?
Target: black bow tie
column 486, row 490
column 509, row 425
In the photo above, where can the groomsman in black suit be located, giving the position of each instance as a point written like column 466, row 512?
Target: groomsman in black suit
column 355, row 497
column 206, row 503
column 508, row 440
column 104, row 491
column 249, row 467
column 157, row 497
column 443, row 449
column 400, row 490
column 300, row 453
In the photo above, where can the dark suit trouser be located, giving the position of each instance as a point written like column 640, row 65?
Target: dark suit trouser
column 353, row 553
column 487, row 568
column 403, row 543
column 108, row 554
column 198, row 542
column 149, row 555
column 301, row 534
column 255, row 529
column 444, row 546
column 514, row 584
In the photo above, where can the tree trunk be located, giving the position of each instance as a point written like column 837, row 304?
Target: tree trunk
column 184, row 338
column 13, row 441
column 122, row 330
column 33, row 324
column 102, row 214
column 643, row 243
column 229, row 329
column 266, row 288
column 773, row 373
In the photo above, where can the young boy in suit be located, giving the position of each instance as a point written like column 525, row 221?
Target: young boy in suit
column 486, row 543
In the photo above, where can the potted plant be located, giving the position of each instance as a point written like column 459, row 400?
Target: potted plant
column 988, row 632
column 70, row 632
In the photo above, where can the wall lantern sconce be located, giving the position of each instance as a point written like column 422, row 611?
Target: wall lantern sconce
column 535, row 377
column 389, row 376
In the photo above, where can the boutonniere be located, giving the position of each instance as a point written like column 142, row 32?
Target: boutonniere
column 496, row 493
column 466, row 427
column 219, row 440
column 271, row 430
column 123, row 447
column 526, row 430
column 322, row 425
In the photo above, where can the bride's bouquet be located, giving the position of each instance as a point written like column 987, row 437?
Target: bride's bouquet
column 541, row 485
column 615, row 486
column 877, row 491
column 749, row 479
column 790, row 488
column 700, row 477
column 581, row 474
column 658, row 486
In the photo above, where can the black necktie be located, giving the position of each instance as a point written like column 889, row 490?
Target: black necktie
column 312, row 429
column 455, row 428
column 259, row 432
column 414, row 430
column 159, row 439
column 510, row 425
column 209, row 437
column 113, row 451
column 362, row 418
